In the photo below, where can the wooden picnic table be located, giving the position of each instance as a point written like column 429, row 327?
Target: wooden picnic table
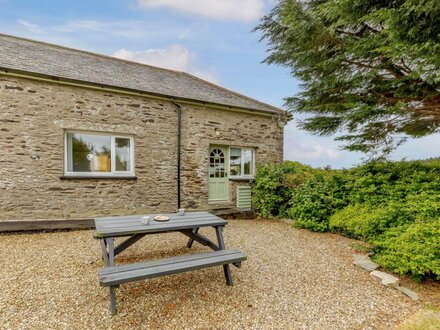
column 108, row 228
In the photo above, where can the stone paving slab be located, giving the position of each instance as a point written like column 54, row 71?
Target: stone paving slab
column 385, row 278
column 364, row 262
column 408, row 292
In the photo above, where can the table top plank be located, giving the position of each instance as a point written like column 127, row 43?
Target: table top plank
column 129, row 225
column 135, row 218
column 133, row 221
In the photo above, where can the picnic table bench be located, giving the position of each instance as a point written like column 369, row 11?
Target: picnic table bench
column 108, row 228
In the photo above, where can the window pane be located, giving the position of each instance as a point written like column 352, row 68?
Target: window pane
column 88, row 153
column 69, row 153
column 235, row 161
column 248, row 156
column 235, row 152
column 220, row 170
column 122, row 152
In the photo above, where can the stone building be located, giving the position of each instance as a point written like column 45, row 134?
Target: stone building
column 85, row 135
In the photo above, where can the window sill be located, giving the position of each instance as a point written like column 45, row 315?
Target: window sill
column 218, row 201
column 101, row 177
column 240, row 179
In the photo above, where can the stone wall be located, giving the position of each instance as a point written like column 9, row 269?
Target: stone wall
column 34, row 116
column 203, row 127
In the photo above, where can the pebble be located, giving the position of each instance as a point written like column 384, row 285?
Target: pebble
column 293, row 278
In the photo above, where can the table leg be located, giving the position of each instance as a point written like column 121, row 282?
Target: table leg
column 111, row 251
column 108, row 252
column 191, row 240
column 104, row 253
column 112, row 300
column 221, row 244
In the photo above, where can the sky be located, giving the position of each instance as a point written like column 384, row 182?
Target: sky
column 208, row 38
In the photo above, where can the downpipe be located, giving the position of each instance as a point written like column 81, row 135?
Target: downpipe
column 179, row 142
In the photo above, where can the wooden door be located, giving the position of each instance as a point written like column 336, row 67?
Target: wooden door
column 218, row 173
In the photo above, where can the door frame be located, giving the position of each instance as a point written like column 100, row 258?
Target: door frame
column 225, row 148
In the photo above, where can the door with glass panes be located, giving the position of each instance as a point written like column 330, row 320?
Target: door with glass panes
column 218, row 173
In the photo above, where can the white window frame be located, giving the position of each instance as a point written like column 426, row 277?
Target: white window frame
column 113, row 172
column 242, row 176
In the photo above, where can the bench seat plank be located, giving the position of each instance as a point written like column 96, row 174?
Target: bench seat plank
column 158, row 262
column 111, row 276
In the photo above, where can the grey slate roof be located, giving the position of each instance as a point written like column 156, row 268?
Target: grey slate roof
column 57, row 61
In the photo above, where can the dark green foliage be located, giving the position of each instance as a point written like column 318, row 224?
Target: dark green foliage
column 381, row 182
column 314, row 201
column 273, row 185
column 383, row 203
column 411, row 249
column 365, row 221
column 369, row 68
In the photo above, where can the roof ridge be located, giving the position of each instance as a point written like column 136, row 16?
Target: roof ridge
column 88, row 52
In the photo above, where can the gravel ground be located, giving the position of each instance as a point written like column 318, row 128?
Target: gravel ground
column 292, row 279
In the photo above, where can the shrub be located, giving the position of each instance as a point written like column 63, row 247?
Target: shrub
column 393, row 205
column 382, row 182
column 314, row 201
column 272, row 187
column 366, row 222
column 425, row 205
column 412, row 249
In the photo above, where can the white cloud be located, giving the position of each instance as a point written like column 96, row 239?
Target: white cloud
column 124, row 28
column 319, row 151
column 175, row 57
column 421, row 148
column 31, row 27
column 228, row 10
column 316, row 151
column 90, row 34
column 130, row 30
column 312, row 151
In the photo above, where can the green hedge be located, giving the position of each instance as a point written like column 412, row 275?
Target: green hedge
column 364, row 221
column 393, row 205
column 273, row 186
column 411, row 249
column 316, row 199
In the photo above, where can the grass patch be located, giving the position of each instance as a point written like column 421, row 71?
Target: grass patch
column 423, row 320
